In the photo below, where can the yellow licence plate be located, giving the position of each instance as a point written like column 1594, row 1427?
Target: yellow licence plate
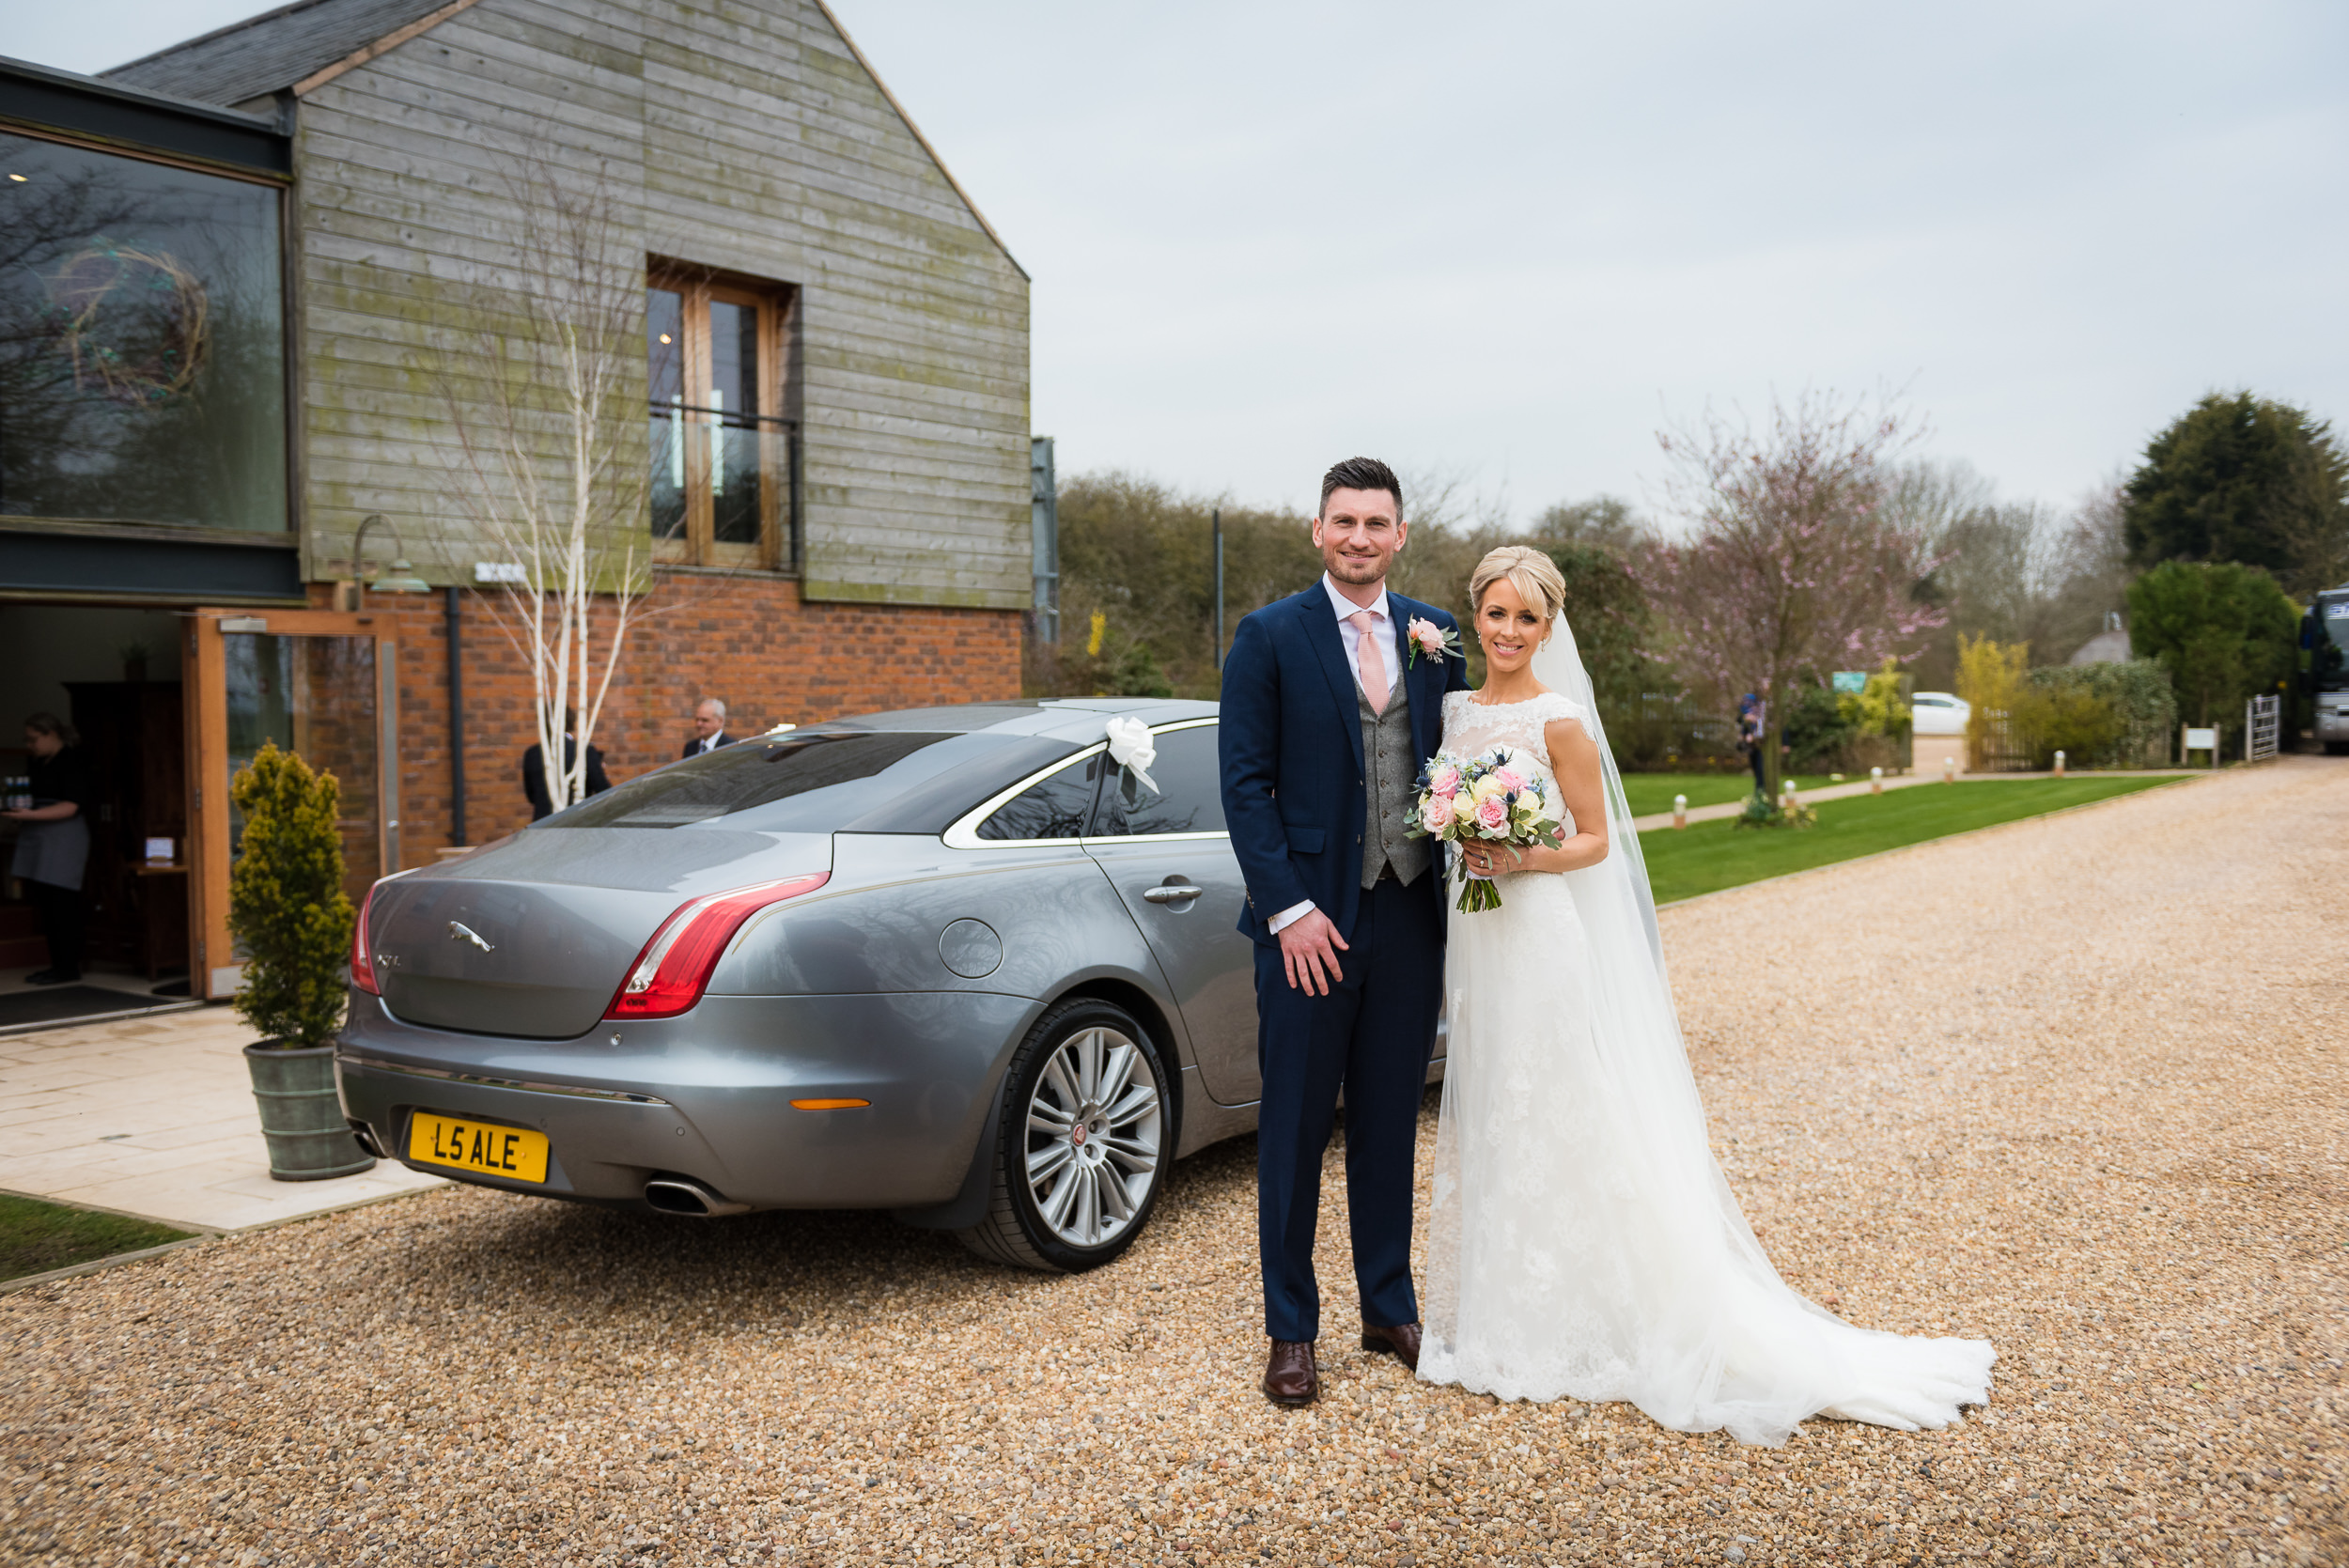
column 515, row 1153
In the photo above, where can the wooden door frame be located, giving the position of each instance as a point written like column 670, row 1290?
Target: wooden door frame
column 212, row 970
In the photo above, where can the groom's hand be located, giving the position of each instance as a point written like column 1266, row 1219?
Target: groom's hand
column 1308, row 943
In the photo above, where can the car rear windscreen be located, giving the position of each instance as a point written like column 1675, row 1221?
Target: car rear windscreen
column 815, row 771
column 821, row 780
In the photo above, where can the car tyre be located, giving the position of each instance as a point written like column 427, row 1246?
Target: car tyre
column 1082, row 1145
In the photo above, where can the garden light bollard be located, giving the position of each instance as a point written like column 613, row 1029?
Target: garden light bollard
column 2059, row 765
column 1875, row 781
column 1949, row 769
column 1680, row 811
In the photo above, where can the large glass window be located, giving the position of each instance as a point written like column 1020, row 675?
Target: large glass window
column 723, row 454
column 142, row 342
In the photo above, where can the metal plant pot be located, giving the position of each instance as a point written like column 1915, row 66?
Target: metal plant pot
column 301, row 1117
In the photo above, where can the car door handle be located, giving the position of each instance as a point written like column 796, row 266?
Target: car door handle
column 1175, row 895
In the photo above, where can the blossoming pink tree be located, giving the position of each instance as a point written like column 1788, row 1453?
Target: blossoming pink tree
column 1791, row 566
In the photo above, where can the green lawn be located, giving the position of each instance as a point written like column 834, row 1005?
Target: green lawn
column 36, row 1238
column 1651, row 792
column 1707, row 856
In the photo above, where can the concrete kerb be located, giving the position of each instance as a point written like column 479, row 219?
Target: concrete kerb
column 96, row 1266
column 2177, row 777
column 203, row 1232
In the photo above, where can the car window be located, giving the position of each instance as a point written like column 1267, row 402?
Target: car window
column 823, row 773
column 1185, row 794
column 1053, row 807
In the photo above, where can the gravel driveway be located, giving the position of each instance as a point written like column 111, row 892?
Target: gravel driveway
column 2076, row 1084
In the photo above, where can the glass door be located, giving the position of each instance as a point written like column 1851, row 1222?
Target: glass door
column 321, row 684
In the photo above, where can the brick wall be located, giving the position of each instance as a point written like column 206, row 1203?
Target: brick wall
column 750, row 642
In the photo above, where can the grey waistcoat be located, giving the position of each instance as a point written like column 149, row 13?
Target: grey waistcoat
column 1389, row 769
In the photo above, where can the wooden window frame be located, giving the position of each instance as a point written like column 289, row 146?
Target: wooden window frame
column 778, row 545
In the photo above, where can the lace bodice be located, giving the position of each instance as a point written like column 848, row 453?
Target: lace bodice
column 1470, row 727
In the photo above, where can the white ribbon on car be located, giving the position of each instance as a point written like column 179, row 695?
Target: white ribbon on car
column 1131, row 748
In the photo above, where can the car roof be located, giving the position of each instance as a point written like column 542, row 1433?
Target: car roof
column 1060, row 718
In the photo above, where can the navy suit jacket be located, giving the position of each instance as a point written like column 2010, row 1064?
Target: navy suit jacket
column 1291, row 748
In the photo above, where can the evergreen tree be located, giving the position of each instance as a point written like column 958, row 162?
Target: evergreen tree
column 285, row 900
column 2240, row 478
column 2225, row 632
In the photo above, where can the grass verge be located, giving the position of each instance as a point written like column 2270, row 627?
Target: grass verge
column 36, row 1238
column 1708, row 857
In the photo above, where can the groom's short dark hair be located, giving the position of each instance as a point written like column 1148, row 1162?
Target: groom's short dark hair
column 1361, row 473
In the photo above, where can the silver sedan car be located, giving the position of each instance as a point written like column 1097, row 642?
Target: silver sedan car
column 957, row 963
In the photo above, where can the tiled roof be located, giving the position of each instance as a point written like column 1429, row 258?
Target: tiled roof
column 270, row 51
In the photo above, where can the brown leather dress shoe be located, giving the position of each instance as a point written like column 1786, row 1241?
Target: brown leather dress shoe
column 1400, row 1342
column 1290, row 1377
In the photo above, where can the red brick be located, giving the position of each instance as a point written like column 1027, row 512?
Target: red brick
column 753, row 643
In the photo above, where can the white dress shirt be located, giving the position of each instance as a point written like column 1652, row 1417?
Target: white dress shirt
column 1350, row 638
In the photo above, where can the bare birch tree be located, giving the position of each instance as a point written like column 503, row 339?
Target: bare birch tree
column 544, row 383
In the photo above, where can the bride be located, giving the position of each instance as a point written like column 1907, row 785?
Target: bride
column 1583, row 1241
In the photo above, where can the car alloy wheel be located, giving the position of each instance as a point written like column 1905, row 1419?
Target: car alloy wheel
column 1087, row 1133
column 1093, row 1137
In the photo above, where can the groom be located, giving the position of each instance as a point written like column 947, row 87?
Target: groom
column 1326, row 725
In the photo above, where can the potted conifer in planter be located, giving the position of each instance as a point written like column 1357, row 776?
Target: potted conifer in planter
column 290, row 914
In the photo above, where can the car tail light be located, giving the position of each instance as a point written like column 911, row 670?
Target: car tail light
column 363, row 966
column 668, row 976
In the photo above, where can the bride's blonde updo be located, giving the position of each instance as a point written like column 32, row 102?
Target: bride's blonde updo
column 1529, row 571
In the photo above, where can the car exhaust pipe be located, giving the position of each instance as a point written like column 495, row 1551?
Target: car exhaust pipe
column 684, row 1195
column 365, row 1137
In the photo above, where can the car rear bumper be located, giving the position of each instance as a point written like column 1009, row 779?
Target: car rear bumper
column 709, row 1095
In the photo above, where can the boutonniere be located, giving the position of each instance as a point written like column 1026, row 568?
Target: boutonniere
column 1425, row 637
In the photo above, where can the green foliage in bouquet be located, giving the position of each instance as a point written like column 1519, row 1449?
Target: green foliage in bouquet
column 286, row 906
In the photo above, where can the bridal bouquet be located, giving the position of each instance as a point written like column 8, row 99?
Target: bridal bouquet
column 1494, row 798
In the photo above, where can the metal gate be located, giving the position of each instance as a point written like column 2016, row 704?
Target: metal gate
column 2263, row 728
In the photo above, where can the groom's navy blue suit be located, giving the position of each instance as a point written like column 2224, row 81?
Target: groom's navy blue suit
column 1294, row 801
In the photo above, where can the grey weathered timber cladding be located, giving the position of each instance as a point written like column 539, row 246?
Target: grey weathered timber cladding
column 744, row 137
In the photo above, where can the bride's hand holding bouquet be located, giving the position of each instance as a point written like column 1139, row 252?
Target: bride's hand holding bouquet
column 1493, row 803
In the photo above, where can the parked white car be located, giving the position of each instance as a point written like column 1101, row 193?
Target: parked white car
column 1938, row 713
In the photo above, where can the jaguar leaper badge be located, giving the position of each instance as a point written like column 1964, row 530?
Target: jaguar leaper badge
column 458, row 928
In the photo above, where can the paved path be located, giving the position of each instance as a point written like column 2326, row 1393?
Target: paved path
column 2075, row 1084
column 1904, row 781
column 154, row 1117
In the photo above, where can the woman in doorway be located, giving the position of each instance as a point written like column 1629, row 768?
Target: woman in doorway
column 53, row 845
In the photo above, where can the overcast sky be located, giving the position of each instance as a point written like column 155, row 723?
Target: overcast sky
column 1507, row 241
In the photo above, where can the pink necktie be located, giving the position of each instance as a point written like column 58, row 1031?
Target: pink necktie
column 1373, row 669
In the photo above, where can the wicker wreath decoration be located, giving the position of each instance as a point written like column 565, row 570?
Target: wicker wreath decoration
column 136, row 323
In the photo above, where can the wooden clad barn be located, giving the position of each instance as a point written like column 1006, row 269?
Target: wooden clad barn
column 818, row 435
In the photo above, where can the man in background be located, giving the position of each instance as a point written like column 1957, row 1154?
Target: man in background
column 535, row 768
column 710, row 728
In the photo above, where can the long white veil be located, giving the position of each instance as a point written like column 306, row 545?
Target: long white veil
column 1558, row 664
column 1583, row 1240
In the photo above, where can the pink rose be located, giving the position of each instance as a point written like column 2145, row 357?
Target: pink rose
column 1435, row 816
column 1445, row 782
column 1492, row 814
column 1510, row 779
column 1424, row 633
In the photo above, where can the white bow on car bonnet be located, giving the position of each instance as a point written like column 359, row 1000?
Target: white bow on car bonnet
column 1131, row 748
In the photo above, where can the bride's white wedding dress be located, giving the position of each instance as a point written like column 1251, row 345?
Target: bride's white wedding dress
column 1583, row 1241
